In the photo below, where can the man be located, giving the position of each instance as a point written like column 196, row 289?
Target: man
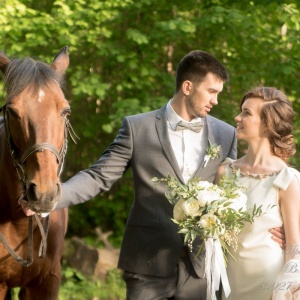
column 156, row 144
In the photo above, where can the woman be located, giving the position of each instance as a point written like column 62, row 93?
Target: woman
column 265, row 123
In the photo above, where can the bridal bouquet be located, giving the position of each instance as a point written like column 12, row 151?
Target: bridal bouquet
column 216, row 214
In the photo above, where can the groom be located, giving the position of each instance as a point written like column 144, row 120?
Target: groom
column 169, row 141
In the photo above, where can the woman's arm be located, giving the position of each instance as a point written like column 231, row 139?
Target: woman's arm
column 289, row 202
column 287, row 285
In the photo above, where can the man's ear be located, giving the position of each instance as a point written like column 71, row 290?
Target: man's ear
column 187, row 87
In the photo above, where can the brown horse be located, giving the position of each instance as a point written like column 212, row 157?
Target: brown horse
column 33, row 143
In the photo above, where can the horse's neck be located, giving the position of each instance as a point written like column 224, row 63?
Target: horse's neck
column 10, row 188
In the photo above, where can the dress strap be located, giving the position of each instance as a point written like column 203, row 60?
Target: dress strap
column 227, row 161
column 285, row 177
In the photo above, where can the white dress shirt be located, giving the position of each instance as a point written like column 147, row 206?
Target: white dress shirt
column 189, row 147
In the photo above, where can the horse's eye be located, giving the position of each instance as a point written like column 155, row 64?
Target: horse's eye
column 66, row 112
column 11, row 112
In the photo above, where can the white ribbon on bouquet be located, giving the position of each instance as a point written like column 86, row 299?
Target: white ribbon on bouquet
column 215, row 269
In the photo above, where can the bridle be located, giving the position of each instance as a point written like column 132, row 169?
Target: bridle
column 18, row 163
column 40, row 147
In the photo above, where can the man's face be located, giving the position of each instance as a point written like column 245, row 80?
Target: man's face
column 203, row 96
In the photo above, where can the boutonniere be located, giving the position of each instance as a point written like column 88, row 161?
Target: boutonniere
column 212, row 152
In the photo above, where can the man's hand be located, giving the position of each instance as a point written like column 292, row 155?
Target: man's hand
column 278, row 236
column 24, row 204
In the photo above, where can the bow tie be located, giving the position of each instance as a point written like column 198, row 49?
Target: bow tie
column 196, row 126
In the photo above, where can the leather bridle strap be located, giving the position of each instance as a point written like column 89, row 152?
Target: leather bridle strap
column 44, row 234
column 24, row 263
column 18, row 162
column 60, row 155
column 43, row 246
column 40, row 148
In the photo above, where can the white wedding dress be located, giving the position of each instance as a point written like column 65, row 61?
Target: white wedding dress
column 259, row 259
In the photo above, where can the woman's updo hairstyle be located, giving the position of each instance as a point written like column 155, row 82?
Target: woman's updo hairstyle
column 277, row 115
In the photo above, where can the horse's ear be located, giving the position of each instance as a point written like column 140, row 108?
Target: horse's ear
column 61, row 60
column 4, row 61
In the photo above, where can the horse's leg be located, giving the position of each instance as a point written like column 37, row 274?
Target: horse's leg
column 38, row 293
column 47, row 290
column 3, row 291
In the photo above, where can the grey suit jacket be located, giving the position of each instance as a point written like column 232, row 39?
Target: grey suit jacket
column 151, row 243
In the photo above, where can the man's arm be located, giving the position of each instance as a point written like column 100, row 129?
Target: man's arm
column 100, row 176
column 278, row 236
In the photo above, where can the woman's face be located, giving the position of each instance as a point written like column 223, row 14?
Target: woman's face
column 249, row 123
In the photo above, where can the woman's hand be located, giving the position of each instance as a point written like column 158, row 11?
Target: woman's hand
column 287, row 285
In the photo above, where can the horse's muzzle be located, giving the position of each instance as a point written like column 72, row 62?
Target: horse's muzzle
column 43, row 202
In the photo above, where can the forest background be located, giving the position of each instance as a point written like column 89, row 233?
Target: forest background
column 123, row 58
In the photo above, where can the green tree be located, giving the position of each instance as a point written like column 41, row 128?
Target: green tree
column 123, row 59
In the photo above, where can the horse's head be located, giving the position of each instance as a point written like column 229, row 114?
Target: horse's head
column 35, row 117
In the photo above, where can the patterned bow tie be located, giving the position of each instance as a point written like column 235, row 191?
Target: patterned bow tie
column 196, row 126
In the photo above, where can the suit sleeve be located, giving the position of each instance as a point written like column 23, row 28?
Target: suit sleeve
column 103, row 173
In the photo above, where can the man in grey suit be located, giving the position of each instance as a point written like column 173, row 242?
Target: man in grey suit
column 155, row 261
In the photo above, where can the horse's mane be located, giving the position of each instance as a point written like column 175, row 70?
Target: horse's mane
column 23, row 73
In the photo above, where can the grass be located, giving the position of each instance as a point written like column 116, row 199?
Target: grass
column 75, row 286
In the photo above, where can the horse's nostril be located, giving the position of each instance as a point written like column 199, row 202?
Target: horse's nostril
column 35, row 194
column 31, row 192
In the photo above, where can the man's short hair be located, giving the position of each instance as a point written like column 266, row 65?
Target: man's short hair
column 196, row 65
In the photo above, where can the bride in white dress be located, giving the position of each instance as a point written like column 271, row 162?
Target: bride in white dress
column 262, row 268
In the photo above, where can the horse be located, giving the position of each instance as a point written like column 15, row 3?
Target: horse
column 33, row 144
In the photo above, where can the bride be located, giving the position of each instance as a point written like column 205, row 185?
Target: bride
column 262, row 268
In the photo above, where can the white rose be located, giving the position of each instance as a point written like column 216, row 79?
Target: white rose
column 191, row 207
column 207, row 221
column 204, row 184
column 240, row 202
column 207, row 196
column 203, row 223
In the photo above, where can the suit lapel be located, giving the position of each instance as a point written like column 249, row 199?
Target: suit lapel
column 163, row 136
column 212, row 139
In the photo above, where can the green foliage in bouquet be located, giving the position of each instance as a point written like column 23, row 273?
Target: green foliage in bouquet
column 203, row 209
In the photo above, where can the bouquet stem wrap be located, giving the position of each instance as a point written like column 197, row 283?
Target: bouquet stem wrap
column 215, row 269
